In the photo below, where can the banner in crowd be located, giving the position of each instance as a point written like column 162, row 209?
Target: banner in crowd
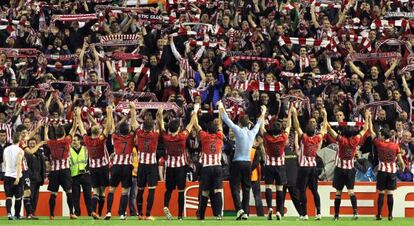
column 364, row 191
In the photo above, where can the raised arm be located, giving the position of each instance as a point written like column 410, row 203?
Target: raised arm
column 82, row 53
column 133, row 112
column 226, row 118
column 371, row 128
column 160, row 118
column 109, row 120
column 324, row 123
column 289, row 122
column 405, row 86
column 194, row 118
column 46, row 135
column 332, row 132
column 260, row 120
column 74, row 127
column 355, row 69
column 366, row 124
column 191, row 123
column 296, row 124
column 394, row 64
column 33, row 132
column 35, row 148
column 313, row 15
column 80, row 123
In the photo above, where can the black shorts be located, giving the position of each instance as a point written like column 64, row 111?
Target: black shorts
column 121, row 174
column 60, row 178
column 344, row 177
column 26, row 180
column 13, row 190
column 275, row 174
column 175, row 178
column 211, row 178
column 99, row 177
column 307, row 177
column 147, row 175
column 386, row 181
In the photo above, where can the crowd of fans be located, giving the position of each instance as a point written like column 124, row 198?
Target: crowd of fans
column 307, row 54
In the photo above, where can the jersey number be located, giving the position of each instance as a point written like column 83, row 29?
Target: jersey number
column 124, row 145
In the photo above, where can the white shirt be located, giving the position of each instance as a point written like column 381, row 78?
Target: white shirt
column 10, row 156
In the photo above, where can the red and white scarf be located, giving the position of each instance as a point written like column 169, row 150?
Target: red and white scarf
column 373, row 56
column 283, row 40
column 354, row 124
column 261, row 86
column 234, row 59
column 365, row 42
column 74, row 17
column 123, row 107
column 10, row 99
column 388, row 23
column 118, row 40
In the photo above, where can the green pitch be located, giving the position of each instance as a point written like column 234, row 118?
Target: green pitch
column 227, row 221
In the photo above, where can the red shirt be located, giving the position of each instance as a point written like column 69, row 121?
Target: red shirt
column 309, row 149
column 387, row 155
column 123, row 146
column 147, row 143
column 346, row 151
column 96, row 151
column 175, row 147
column 59, row 153
column 211, row 145
column 275, row 149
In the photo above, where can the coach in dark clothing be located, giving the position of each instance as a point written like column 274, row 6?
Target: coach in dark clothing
column 37, row 168
column 291, row 162
column 240, row 169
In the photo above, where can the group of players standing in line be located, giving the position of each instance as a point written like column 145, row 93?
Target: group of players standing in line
column 128, row 134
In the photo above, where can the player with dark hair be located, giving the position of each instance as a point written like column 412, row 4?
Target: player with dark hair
column 275, row 169
column 388, row 153
column 211, row 180
column 147, row 143
column 121, row 171
column 310, row 143
column 344, row 174
column 175, row 161
column 59, row 172
column 98, row 159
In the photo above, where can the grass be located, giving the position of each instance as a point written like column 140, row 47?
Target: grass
column 227, row 221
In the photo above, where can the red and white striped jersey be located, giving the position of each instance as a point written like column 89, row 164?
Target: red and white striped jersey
column 96, row 151
column 147, row 158
column 346, row 151
column 59, row 153
column 147, row 143
column 59, row 164
column 275, row 149
column 211, row 145
column 175, row 149
column 241, row 85
column 308, row 150
column 123, row 146
column 8, row 128
column 233, row 77
column 387, row 155
column 258, row 76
